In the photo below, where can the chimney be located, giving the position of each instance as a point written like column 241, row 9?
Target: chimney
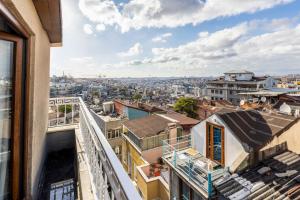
column 172, row 129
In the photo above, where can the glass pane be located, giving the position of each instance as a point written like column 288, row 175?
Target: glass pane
column 217, row 144
column 6, row 75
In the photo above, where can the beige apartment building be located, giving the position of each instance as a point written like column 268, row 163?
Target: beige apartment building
column 26, row 36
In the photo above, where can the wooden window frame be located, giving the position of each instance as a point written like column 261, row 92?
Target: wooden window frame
column 209, row 154
column 16, row 112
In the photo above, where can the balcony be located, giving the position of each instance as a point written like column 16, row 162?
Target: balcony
column 98, row 171
column 195, row 168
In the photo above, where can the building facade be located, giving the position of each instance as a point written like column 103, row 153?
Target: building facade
column 234, row 82
column 25, row 41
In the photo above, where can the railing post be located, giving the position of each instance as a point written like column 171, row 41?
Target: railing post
column 72, row 113
column 65, row 114
column 190, row 170
column 209, row 184
column 57, row 114
column 174, row 158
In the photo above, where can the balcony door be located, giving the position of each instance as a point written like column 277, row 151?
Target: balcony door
column 215, row 143
column 10, row 115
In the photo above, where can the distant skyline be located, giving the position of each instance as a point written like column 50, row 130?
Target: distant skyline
column 164, row 38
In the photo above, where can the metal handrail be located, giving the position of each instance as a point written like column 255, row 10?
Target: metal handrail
column 123, row 178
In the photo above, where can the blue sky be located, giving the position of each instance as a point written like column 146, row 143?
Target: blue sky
column 142, row 38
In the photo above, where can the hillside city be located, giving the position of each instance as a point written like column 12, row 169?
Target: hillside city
column 149, row 100
column 225, row 137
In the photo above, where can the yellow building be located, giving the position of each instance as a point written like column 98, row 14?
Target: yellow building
column 141, row 155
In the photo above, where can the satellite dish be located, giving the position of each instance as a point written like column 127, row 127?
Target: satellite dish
column 263, row 99
column 242, row 102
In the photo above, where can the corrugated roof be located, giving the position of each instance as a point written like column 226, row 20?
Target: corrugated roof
column 254, row 128
column 279, row 178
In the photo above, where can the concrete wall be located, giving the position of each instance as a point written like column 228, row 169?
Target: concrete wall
column 135, row 156
column 40, row 62
column 233, row 148
column 151, row 188
column 59, row 140
column 290, row 138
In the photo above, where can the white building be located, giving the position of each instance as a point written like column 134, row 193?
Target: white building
column 234, row 82
column 234, row 137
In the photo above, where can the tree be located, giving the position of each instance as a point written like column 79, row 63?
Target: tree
column 137, row 96
column 68, row 107
column 186, row 105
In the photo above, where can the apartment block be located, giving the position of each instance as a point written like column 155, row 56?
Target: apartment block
column 233, row 82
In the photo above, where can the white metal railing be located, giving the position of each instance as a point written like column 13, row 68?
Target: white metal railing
column 109, row 179
column 195, row 167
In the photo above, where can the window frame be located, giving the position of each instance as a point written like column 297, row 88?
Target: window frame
column 17, row 101
column 209, row 142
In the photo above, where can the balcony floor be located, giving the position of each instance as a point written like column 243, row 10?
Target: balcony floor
column 59, row 181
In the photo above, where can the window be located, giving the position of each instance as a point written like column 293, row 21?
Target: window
column 134, row 172
column 113, row 135
column 179, row 133
column 117, row 150
column 212, row 91
column 11, row 52
column 117, row 131
column 109, row 134
column 221, row 91
column 215, row 143
column 129, row 163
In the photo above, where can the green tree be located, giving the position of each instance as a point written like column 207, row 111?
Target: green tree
column 137, row 96
column 68, row 107
column 186, row 105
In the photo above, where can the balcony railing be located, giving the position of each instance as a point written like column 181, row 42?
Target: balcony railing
column 108, row 178
column 180, row 154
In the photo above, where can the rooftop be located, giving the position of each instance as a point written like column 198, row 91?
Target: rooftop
column 254, row 128
column 180, row 118
column 197, row 170
column 140, row 106
column 238, row 72
column 275, row 178
column 147, row 126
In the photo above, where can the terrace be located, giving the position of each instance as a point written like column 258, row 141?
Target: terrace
column 195, row 168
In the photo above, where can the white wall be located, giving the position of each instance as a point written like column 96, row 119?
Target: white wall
column 239, row 77
column 233, row 148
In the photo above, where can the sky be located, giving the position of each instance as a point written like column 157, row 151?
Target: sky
column 164, row 38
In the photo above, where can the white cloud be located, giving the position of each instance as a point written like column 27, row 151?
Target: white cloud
column 238, row 46
column 88, row 29
column 100, row 27
column 162, row 38
column 81, row 59
column 137, row 14
column 136, row 49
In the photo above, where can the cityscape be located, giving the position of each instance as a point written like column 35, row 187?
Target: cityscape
column 203, row 104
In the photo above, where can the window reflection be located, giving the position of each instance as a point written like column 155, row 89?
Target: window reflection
column 6, row 67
